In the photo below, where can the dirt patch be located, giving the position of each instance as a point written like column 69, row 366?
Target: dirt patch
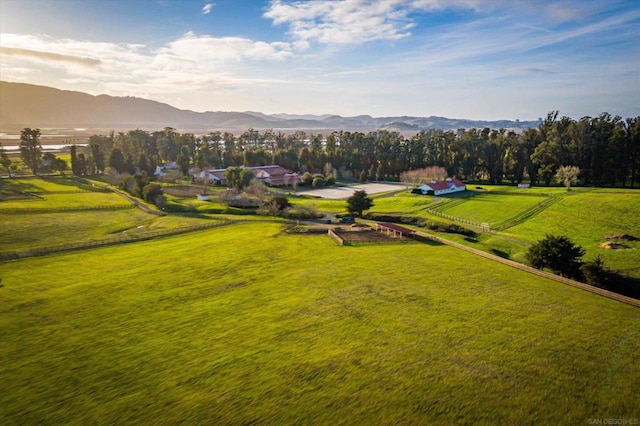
column 183, row 191
column 355, row 235
column 614, row 246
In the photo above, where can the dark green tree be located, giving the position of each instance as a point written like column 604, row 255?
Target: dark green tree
column 307, row 179
column 232, row 177
column 30, row 148
column 116, row 161
column 238, row 177
column 151, row 192
column 280, row 202
column 246, row 175
column 358, row 203
column 557, row 253
column 5, row 161
column 74, row 160
column 183, row 159
column 98, row 158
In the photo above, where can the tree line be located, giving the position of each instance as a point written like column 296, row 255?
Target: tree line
column 605, row 149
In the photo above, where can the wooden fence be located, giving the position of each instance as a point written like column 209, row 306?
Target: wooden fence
column 609, row 294
column 123, row 239
column 337, row 238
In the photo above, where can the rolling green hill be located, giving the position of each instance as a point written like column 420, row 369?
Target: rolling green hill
column 248, row 324
column 251, row 324
column 521, row 217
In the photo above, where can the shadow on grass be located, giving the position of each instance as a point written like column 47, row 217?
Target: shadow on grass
column 425, row 240
column 500, row 253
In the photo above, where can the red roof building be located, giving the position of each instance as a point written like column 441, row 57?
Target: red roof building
column 271, row 175
column 442, row 187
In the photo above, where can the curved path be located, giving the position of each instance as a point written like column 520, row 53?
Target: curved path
column 135, row 201
column 611, row 295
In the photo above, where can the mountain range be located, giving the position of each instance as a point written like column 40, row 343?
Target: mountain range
column 27, row 105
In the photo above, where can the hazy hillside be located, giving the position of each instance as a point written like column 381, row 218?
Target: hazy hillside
column 27, row 105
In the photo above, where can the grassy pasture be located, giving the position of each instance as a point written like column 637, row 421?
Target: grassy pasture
column 44, row 184
column 28, row 231
column 45, row 222
column 49, row 202
column 196, row 329
column 587, row 217
column 491, row 208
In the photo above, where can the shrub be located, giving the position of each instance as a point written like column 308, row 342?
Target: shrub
column 307, row 179
column 557, row 253
column 330, row 180
column 306, row 211
column 318, row 182
column 151, row 191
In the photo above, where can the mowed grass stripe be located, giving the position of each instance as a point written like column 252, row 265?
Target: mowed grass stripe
column 247, row 324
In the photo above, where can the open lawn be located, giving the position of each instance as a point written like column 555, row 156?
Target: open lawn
column 250, row 324
column 247, row 324
column 491, row 208
column 49, row 202
column 587, row 217
column 28, row 231
column 43, row 184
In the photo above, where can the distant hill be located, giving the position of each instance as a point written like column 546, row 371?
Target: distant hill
column 28, row 105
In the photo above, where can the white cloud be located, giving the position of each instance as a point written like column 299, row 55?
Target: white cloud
column 190, row 64
column 198, row 48
column 207, row 8
column 355, row 21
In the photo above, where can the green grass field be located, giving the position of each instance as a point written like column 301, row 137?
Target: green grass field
column 249, row 324
column 246, row 324
column 585, row 215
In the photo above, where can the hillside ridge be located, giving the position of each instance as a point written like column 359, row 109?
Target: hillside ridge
column 28, row 105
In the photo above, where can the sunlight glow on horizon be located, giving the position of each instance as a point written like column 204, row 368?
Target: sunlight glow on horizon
column 467, row 59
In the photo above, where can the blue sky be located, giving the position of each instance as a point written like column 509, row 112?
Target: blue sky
column 477, row 59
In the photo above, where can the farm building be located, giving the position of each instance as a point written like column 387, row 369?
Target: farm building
column 273, row 175
column 163, row 170
column 215, row 176
column 442, row 187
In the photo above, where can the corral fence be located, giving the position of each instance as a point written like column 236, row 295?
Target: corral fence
column 592, row 289
column 122, row 239
column 337, row 238
column 526, row 214
column 456, row 219
column 549, row 199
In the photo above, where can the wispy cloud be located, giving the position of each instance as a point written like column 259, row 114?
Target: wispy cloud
column 529, row 70
column 48, row 56
column 354, row 21
column 187, row 65
column 207, row 8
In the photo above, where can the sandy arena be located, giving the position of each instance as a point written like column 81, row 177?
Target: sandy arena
column 347, row 191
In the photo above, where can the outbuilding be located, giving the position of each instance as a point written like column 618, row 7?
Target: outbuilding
column 447, row 186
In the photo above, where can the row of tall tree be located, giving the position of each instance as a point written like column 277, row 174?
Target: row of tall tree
column 606, row 150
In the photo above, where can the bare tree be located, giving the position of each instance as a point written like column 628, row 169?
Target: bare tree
column 419, row 176
column 568, row 175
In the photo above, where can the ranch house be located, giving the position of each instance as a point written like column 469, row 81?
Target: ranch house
column 273, row 175
column 447, row 186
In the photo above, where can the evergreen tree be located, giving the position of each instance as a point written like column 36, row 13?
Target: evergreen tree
column 358, row 203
